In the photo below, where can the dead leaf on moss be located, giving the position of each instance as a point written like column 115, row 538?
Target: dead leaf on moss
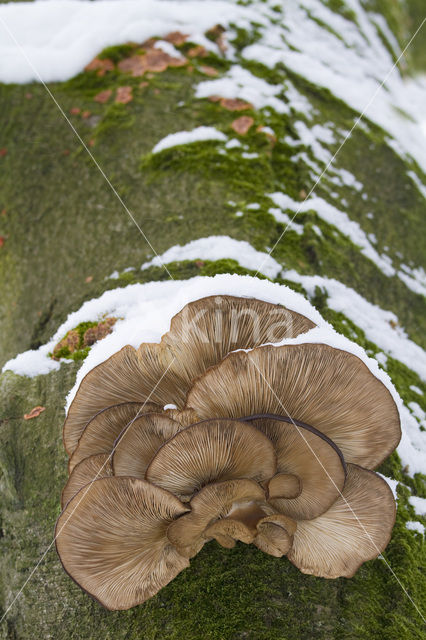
column 71, row 342
column 209, row 71
column 197, row 52
column 3, row 212
column 242, row 125
column 143, row 84
column 88, row 279
column 235, row 104
column 271, row 137
column 85, row 114
column 2, row 241
column 34, row 413
column 199, row 263
column 153, row 60
column 176, row 37
column 124, row 95
column 75, row 111
column 28, row 96
column 3, row 152
column 100, row 65
column 93, row 334
column 103, row 96
column 215, row 98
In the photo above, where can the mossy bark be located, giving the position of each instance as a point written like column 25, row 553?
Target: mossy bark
column 65, row 232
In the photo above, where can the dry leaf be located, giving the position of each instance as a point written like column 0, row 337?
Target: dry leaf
column 209, row 71
column 89, row 279
column 124, row 95
column 28, row 96
column 101, row 65
column 144, row 84
column 2, row 240
column 75, row 111
column 85, row 114
column 3, row 152
column 34, row 413
column 176, row 37
column 215, row 98
column 198, row 51
column 93, row 334
column 3, row 212
column 235, row 104
column 242, row 125
column 103, row 96
column 153, row 60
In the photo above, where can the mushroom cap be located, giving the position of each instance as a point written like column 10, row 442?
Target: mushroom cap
column 229, row 528
column 212, row 502
column 356, row 528
column 275, row 534
column 111, row 539
column 212, row 450
column 118, row 379
column 312, row 458
column 140, row 442
column 205, row 330
column 330, row 389
column 103, row 429
column 284, row 485
column 86, row 471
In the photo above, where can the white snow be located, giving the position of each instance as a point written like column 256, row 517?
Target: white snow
column 217, row 248
column 391, row 483
column 419, row 505
column 415, row 526
column 284, row 218
column 240, row 83
column 416, row 389
column 198, row 134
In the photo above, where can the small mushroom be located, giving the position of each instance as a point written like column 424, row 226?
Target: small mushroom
column 112, row 540
column 140, row 442
column 327, row 388
column 275, row 534
column 213, row 502
column 284, row 485
column 84, row 472
column 104, row 428
column 356, row 528
column 310, row 458
column 213, row 450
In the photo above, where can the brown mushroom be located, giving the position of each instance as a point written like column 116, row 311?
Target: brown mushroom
column 327, row 388
column 312, row 459
column 213, row 450
column 104, row 428
column 204, row 331
column 112, row 540
column 284, row 485
column 215, row 501
column 86, row 471
column 275, row 534
column 356, row 528
column 140, row 442
column 117, row 380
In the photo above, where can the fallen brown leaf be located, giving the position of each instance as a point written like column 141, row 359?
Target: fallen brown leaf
column 143, row 84
column 197, row 52
column 3, row 152
column 215, row 98
column 93, row 334
column 34, row 413
column 153, row 60
column 85, row 114
column 71, row 341
column 2, row 241
column 3, row 212
column 235, row 104
column 91, row 142
column 124, row 95
column 101, row 65
column 176, row 37
column 199, row 263
column 89, row 279
column 28, row 96
column 75, row 111
column 103, row 96
column 242, row 125
column 209, row 71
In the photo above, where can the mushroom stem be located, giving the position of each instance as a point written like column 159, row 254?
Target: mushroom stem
column 248, row 513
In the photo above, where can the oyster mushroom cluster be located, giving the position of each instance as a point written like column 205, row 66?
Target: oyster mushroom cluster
column 226, row 431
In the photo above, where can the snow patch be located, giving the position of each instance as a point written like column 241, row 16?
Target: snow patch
column 198, row 134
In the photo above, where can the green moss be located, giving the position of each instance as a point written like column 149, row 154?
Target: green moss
column 118, row 52
column 340, row 7
column 80, row 352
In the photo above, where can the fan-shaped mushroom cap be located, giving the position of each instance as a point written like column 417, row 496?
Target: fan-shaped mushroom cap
column 312, row 458
column 205, row 330
column 230, row 528
column 140, row 442
column 185, row 417
column 327, row 388
column 104, row 428
column 118, row 379
column 112, row 541
column 212, row 502
column 275, row 534
column 284, row 485
column 212, row 450
column 356, row 528
column 88, row 470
